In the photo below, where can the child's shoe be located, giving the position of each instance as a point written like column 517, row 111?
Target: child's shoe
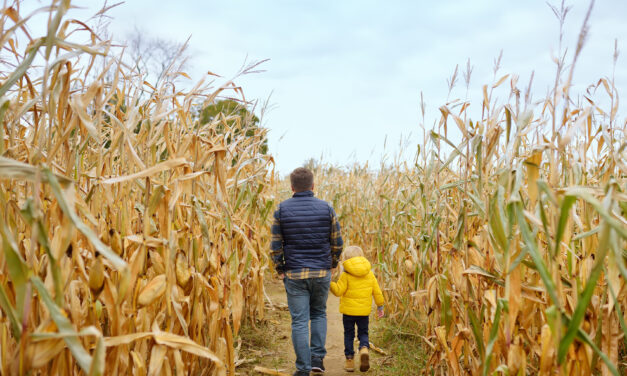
column 364, row 359
column 349, row 366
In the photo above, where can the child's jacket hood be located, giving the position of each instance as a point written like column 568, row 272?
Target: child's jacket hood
column 357, row 266
column 356, row 287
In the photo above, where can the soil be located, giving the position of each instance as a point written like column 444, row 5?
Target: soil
column 282, row 358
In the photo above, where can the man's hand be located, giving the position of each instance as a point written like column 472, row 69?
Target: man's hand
column 281, row 276
column 334, row 272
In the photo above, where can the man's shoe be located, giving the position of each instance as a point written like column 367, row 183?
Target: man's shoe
column 300, row 373
column 317, row 365
column 364, row 359
column 349, row 366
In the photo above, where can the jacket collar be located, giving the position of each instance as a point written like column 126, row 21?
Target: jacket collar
column 303, row 194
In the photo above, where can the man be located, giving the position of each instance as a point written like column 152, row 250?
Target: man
column 306, row 245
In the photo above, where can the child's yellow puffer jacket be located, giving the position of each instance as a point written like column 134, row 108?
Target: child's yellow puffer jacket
column 356, row 287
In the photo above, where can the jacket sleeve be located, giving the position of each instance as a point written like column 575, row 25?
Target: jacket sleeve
column 379, row 300
column 339, row 288
column 276, row 245
column 335, row 239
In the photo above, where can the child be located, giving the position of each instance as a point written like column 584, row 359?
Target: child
column 356, row 287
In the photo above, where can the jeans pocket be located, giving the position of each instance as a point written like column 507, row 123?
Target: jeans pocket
column 324, row 283
column 290, row 287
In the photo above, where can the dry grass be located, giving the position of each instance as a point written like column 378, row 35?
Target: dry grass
column 132, row 233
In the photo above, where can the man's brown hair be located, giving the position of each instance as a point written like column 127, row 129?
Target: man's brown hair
column 302, row 179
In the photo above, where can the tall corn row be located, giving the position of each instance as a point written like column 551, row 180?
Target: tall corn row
column 132, row 232
column 509, row 245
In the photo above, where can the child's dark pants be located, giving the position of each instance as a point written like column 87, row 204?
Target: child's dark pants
column 349, row 333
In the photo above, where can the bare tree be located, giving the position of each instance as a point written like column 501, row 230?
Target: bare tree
column 155, row 56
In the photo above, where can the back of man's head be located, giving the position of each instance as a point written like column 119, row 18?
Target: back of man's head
column 302, row 179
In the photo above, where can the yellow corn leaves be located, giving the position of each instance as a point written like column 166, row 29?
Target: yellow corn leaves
column 533, row 168
column 510, row 248
column 132, row 236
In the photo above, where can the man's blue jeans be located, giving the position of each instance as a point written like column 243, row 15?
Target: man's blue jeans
column 307, row 301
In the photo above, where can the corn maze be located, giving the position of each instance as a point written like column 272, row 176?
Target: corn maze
column 509, row 247
column 132, row 230
column 135, row 232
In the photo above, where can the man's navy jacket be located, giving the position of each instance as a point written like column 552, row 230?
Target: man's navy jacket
column 304, row 229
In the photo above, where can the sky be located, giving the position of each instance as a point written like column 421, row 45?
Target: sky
column 344, row 78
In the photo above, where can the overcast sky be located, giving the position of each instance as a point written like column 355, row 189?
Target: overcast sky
column 346, row 74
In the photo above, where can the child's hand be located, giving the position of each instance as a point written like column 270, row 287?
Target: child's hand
column 380, row 312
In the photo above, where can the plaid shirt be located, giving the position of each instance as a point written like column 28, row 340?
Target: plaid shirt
column 277, row 254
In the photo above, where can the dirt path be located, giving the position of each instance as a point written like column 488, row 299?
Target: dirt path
column 334, row 361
